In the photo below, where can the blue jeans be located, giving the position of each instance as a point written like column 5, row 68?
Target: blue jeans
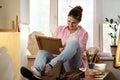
column 71, row 57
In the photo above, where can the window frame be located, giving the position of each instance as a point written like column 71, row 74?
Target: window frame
column 97, row 27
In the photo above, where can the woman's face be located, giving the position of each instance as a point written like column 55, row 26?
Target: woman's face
column 72, row 23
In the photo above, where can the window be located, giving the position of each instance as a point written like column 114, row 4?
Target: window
column 51, row 13
column 43, row 16
column 39, row 16
column 107, row 41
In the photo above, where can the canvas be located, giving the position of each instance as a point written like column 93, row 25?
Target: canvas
column 50, row 44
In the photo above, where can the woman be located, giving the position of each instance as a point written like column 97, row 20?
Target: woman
column 74, row 39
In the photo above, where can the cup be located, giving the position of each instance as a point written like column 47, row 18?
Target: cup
column 90, row 65
column 101, row 67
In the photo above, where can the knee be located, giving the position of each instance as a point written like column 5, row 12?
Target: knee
column 42, row 52
column 74, row 43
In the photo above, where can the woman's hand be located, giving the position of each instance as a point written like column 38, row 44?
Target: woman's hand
column 61, row 49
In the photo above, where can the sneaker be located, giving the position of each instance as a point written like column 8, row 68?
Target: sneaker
column 35, row 71
column 28, row 74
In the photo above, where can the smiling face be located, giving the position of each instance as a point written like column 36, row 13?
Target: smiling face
column 72, row 23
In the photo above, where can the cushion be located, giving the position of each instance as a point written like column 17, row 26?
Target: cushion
column 32, row 43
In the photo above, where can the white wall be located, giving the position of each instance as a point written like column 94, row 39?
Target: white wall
column 10, row 9
column 107, row 8
column 111, row 8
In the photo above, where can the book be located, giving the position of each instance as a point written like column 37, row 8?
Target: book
column 49, row 44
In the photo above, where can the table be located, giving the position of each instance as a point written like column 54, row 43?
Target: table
column 100, row 77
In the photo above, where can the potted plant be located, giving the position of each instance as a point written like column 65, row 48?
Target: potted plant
column 113, row 25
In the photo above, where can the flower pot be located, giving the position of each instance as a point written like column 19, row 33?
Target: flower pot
column 113, row 49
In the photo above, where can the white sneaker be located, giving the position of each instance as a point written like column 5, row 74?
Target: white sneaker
column 35, row 72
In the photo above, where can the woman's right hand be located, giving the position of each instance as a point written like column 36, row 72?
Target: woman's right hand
column 61, row 49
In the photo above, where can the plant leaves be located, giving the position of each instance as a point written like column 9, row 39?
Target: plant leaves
column 106, row 19
column 111, row 21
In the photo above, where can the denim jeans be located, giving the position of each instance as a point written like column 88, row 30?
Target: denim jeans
column 71, row 57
